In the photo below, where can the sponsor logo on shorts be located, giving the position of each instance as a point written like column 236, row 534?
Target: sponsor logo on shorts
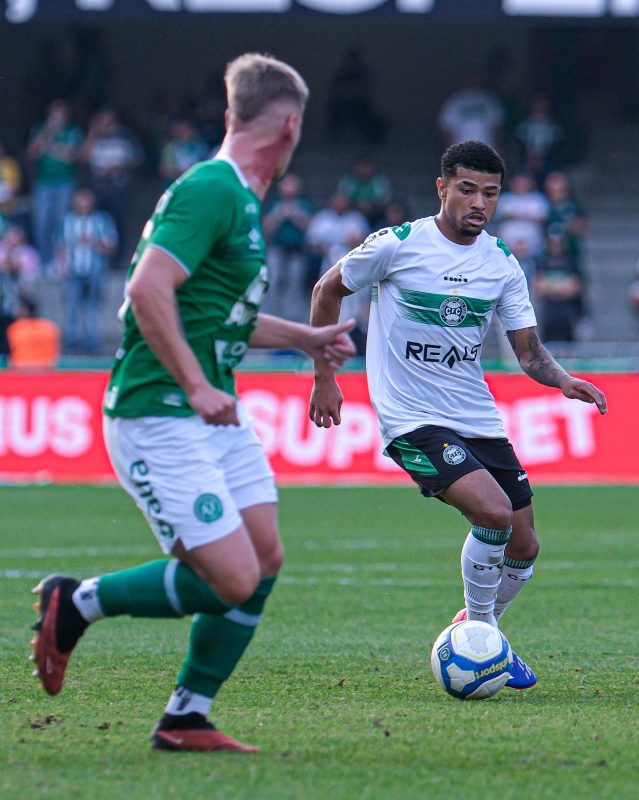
column 139, row 473
column 454, row 454
column 453, row 311
column 208, row 507
column 522, row 476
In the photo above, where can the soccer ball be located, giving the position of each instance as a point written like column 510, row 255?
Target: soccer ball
column 471, row 660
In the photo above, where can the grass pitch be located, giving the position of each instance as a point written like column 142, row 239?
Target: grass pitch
column 336, row 688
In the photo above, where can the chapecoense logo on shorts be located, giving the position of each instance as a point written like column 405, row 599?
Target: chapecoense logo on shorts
column 208, row 507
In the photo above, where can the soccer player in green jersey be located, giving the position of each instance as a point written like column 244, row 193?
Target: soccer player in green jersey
column 177, row 435
column 436, row 284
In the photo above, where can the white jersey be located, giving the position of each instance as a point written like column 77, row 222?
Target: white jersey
column 432, row 302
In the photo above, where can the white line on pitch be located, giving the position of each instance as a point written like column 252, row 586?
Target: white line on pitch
column 23, row 574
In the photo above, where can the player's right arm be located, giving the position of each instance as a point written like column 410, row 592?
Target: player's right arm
column 326, row 397
column 362, row 267
column 151, row 292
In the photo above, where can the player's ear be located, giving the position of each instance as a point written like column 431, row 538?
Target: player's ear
column 292, row 126
column 440, row 183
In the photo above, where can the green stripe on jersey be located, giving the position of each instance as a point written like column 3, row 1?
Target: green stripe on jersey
column 446, row 311
column 414, row 460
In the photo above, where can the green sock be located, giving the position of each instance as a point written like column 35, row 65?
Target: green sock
column 157, row 589
column 218, row 642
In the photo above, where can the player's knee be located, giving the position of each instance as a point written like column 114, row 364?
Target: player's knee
column 497, row 516
column 271, row 562
column 238, row 590
column 524, row 548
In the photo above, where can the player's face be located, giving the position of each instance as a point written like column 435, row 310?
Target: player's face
column 469, row 202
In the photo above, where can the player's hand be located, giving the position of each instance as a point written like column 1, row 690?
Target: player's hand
column 326, row 402
column 330, row 345
column 214, row 406
column 578, row 389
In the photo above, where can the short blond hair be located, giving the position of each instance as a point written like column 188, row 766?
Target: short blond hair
column 254, row 80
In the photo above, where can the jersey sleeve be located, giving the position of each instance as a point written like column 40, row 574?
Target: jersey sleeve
column 197, row 214
column 514, row 307
column 369, row 262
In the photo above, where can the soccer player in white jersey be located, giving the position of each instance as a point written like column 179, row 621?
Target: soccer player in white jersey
column 436, row 283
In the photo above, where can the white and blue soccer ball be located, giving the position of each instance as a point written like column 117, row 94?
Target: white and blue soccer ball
column 471, row 660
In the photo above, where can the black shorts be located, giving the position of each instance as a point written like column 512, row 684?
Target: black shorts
column 436, row 457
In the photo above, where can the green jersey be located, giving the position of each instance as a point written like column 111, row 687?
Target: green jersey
column 209, row 222
column 52, row 170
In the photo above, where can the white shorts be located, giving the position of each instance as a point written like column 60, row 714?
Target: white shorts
column 189, row 479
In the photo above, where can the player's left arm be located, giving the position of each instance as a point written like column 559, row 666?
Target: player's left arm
column 330, row 344
column 538, row 364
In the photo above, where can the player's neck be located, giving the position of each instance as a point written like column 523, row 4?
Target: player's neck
column 258, row 162
column 450, row 233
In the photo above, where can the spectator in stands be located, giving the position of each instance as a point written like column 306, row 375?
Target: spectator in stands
column 87, row 240
column 54, row 149
column 285, row 224
column 17, row 256
column 336, row 229
column 332, row 233
column 10, row 183
column 19, row 264
column 396, row 213
column 472, row 113
column 558, row 289
column 34, row 342
column 367, row 188
column 521, row 250
column 539, row 137
column 351, row 109
column 112, row 155
column 565, row 215
column 182, row 149
column 522, row 214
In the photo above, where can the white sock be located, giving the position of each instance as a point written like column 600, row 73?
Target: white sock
column 514, row 576
column 182, row 701
column 86, row 600
column 481, row 561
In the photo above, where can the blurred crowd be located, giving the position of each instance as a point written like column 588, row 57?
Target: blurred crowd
column 65, row 200
column 65, row 211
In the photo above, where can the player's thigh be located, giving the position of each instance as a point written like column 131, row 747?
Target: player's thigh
column 500, row 459
column 251, row 482
column 262, row 526
column 171, row 468
column 443, row 465
column 481, row 500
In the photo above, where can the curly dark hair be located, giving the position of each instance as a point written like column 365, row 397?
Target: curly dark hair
column 473, row 155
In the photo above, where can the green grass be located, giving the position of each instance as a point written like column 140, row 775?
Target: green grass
column 336, row 688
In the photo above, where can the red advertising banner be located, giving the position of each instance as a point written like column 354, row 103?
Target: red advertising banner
column 51, row 429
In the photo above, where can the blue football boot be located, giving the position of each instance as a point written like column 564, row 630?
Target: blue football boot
column 522, row 677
